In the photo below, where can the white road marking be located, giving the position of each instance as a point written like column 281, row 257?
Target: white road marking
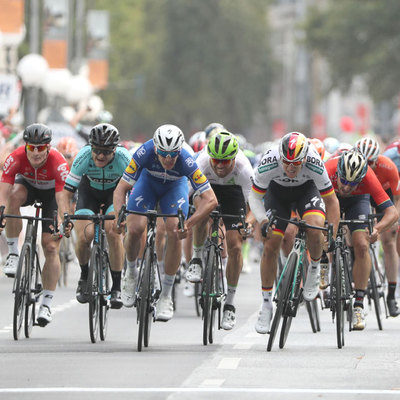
column 229, row 363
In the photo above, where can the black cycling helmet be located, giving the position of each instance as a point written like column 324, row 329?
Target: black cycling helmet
column 105, row 135
column 37, row 134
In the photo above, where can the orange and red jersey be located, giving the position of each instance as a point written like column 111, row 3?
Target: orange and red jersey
column 386, row 172
column 369, row 184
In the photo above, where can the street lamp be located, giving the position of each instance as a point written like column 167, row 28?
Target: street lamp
column 32, row 70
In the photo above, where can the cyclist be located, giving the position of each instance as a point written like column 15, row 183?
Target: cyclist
column 34, row 171
column 386, row 172
column 95, row 173
column 157, row 173
column 291, row 175
column 68, row 147
column 230, row 175
column 354, row 182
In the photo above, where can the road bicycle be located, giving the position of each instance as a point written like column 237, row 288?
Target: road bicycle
column 98, row 283
column 213, row 291
column 27, row 286
column 289, row 292
column 148, row 288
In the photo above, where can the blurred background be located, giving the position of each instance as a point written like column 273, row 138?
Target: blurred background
column 260, row 67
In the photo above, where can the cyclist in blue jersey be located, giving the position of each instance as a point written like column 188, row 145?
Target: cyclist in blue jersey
column 158, row 173
column 96, row 172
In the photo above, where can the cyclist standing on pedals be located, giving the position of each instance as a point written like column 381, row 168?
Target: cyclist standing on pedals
column 157, row 173
column 291, row 174
column 95, row 173
column 354, row 182
column 32, row 172
column 230, row 174
column 386, row 172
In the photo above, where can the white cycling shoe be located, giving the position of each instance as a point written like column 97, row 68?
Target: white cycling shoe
column 311, row 287
column 128, row 288
column 11, row 265
column 264, row 321
column 164, row 309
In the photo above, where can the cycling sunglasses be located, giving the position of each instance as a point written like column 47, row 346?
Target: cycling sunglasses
column 295, row 163
column 223, row 162
column 348, row 183
column 38, row 147
column 99, row 151
column 165, row 154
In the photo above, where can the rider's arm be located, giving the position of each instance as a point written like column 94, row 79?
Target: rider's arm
column 390, row 216
column 332, row 210
column 5, row 190
column 205, row 203
column 119, row 196
column 256, row 203
column 63, row 199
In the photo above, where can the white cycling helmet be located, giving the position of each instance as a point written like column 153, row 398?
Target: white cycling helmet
column 331, row 144
column 368, row 147
column 168, row 138
column 352, row 166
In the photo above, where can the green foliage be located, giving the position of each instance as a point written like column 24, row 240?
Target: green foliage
column 359, row 38
column 187, row 63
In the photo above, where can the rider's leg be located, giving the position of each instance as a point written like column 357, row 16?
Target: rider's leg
column 235, row 263
column 84, row 235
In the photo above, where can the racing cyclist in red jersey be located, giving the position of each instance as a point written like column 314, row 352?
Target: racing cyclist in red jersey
column 354, row 182
column 386, row 172
column 32, row 172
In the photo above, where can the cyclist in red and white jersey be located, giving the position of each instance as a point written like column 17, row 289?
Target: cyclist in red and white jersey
column 32, row 172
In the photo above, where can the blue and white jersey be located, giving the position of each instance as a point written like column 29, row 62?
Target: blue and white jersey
column 146, row 159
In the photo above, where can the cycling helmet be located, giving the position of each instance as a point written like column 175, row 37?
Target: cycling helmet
column 223, row 146
column 67, row 146
column 37, row 134
column 319, row 146
column 352, row 166
column 197, row 141
column 213, row 128
column 105, row 117
column 331, row 144
column 168, row 138
column 105, row 135
column 293, row 147
column 368, row 147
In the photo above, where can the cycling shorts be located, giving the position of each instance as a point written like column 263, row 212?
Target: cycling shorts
column 355, row 207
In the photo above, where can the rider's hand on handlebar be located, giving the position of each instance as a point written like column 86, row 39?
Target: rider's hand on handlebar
column 374, row 236
column 119, row 229
column 264, row 225
column 68, row 228
column 182, row 233
column 246, row 232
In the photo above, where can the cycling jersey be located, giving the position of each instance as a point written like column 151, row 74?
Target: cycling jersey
column 100, row 178
column 51, row 175
column 386, row 172
column 369, row 185
column 393, row 152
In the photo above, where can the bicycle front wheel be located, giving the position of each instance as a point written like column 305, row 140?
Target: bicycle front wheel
column 93, row 293
column 34, row 285
column 21, row 286
column 338, row 296
column 207, row 294
column 374, row 294
column 104, row 291
column 282, row 298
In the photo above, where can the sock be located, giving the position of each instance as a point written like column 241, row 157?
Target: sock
column 161, row 267
column 116, row 278
column 198, row 252
column 359, row 298
column 12, row 244
column 267, row 297
column 224, row 262
column 391, row 290
column 47, row 297
column 230, row 295
column 84, row 271
column 167, row 284
column 132, row 268
column 314, row 265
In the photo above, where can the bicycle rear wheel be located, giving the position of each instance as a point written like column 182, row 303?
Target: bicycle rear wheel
column 338, row 296
column 104, row 291
column 34, row 284
column 373, row 292
column 207, row 294
column 282, row 298
column 21, row 289
column 144, row 294
column 311, row 311
column 93, row 293
column 197, row 289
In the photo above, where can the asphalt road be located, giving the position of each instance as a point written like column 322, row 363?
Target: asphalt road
column 60, row 362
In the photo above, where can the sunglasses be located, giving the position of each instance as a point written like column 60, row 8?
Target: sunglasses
column 295, row 163
column 102, row 151
column 223, row 162
column 38, row 147
column 165, row 154
column 371, row 162
column 348, row 183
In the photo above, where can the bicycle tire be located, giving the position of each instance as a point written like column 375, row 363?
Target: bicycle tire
column 63, row 279
column 337, row 281
column 20, row 289
column 143, row 295
column 197, row 298
column 316, row 311
column 35, row 288
column 287, row 319
column 216, row 304
column 149, row 306
column 283, row 294
column 93, row 293
column 207, row 293
column 311, row 315
column 104, row 292
column 374, row 295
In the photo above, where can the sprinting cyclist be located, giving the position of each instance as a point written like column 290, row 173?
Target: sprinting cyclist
column 354, row 183
column 290, row 176
column 95, row 173
column 158, row 173
column 230, row 174
column 386, row 172
column 32, row 172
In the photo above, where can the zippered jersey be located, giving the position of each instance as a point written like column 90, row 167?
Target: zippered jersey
column 100, row 178
column 51, row 175
column 145, row 158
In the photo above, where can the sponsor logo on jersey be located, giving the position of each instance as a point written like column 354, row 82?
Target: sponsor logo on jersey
column 141, row 152
column 198, row 177
column 315, row 167
column 189, row 161
column 131, row 168
column 265, row 168
column 8, row 162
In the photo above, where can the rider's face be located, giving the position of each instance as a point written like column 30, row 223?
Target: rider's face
column 102, row 156
column 222, row 168
column 290, row 169
column 345, row 189
column 37, row 154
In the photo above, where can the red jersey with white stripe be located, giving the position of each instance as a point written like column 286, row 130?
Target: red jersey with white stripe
column 51, row 175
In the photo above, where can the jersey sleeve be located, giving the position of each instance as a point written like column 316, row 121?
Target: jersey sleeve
column 134, row 168
column 191, row 170
column 10, row 168
column 61, row 171
column 373, row 186
column 78, row 169
column 246, row 178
